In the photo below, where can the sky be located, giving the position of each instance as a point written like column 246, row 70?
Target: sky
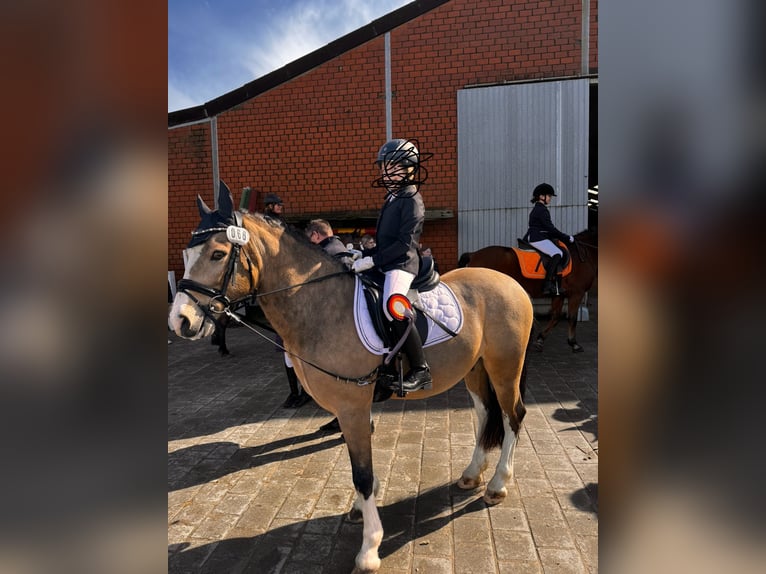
column 217, row 46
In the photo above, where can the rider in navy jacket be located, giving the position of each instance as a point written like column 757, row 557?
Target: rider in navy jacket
column 542, row 232
column 400, row 224
column 398, row 236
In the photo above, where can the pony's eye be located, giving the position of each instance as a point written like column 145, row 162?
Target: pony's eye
column 218, row 255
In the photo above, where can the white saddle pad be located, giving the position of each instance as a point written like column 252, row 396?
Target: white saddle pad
column 440, row 303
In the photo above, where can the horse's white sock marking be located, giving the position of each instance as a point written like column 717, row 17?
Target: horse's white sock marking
column 368, row 559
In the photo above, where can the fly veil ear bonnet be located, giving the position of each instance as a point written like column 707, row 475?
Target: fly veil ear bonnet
column 218, row 220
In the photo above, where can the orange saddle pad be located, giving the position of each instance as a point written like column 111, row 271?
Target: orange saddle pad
column 532, row 266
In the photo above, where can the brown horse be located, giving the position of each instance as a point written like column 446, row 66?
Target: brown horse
column 574, row 285
column 302, row 291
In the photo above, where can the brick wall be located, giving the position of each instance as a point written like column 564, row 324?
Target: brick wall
column 313, row 139
column 190, row 169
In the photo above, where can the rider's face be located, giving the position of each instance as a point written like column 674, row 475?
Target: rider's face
column 393, row 173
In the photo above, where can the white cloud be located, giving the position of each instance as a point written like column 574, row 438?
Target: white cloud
column 220, row 56
column 178, row 100
column 308, row 26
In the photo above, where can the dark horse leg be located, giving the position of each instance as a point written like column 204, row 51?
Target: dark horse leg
column 573, row 307
column 557, row 304
column 219, row 335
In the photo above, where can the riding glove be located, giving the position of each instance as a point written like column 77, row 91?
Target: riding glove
column 363, row 264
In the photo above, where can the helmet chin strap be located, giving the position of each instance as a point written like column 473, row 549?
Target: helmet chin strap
column 397, row 191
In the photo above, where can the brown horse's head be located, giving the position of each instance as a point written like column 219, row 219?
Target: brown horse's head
column 216, row 271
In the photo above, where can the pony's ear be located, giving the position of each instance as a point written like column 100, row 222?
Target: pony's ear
column 203, row 208
column 225, row 201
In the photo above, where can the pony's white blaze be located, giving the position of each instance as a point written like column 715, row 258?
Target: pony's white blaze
column 184, row 310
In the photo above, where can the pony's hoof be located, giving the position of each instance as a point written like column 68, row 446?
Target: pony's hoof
column 495, row 497
column 366, row 565
column 576, row 347
column 355, row 516
column 469, row 483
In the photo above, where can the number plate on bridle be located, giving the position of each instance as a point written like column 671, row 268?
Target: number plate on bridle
column 237, row 235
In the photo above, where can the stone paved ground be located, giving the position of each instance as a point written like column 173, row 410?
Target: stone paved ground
column 256, row 488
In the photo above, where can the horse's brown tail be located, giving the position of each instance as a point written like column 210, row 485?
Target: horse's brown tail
column 493, row 433
column 464, row 259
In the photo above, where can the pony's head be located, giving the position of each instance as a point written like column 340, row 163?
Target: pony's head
column 216, row 273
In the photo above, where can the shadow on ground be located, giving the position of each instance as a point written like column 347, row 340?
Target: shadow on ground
column 204, row 463
column 328, row 544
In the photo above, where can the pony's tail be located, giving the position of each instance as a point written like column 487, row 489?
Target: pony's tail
column 493, row 433
column 464, row 259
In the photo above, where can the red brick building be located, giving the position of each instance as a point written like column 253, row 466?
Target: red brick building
column 310, row 130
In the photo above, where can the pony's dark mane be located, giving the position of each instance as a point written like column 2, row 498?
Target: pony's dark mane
column 590, row 233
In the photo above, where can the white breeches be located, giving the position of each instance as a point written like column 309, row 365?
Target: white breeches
column 397, row 281
column 547, row 246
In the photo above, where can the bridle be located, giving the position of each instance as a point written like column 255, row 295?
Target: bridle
column 220, row 304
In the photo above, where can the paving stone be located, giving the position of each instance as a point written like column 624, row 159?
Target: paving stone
column 561, row 561
column 552, row 534
column 514, row 545
column 520, row 567
column 474, row 558
column 431, row 565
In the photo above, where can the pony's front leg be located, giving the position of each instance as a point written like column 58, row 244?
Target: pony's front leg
column 359, row 445
column 471, row 477
column 367, row 559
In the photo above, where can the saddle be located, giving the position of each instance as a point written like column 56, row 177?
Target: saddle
column 532, row 261
column 426, row 280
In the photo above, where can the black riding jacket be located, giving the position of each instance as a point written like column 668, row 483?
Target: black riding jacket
column 541, row 227
column 398, row 232
column 334, row 246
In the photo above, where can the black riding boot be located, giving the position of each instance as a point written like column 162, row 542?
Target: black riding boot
column 292, row 379
column 419, row 375
column 549, row 287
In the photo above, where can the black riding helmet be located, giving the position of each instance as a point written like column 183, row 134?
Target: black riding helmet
column 399, row 152
column 543, row 189
column 402, row 152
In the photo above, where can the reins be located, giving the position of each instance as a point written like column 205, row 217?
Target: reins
column 314, row 280
column 584, row 258
column 360, row 381
column 218, row 296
